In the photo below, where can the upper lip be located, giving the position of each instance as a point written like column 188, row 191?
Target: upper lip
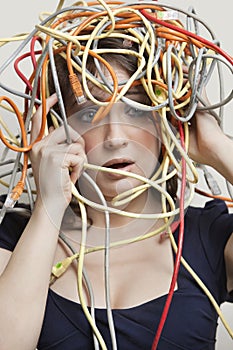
column 118, row 162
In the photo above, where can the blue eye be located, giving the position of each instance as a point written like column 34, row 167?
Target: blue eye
column 87, row 114
column 135, row 112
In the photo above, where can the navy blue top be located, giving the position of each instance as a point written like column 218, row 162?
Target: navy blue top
column 192, row 320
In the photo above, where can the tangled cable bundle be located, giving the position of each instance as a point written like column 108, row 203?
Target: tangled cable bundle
column 174, row 65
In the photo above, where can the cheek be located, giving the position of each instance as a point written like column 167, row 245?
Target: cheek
column 149, row 151
column 149, row 141
column 92, row 141
column 88, row 144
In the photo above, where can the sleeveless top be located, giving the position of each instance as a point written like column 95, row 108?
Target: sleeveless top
column 192, row 320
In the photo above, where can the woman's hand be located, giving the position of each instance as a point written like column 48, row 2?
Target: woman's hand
column 209, row 145
column 55, row 163
column 205, row 138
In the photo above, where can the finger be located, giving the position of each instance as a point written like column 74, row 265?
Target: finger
column 37, row 117
column 63, row 150
column 58, row 136
column 51, row 128
column 75, row 159
column 76, row 164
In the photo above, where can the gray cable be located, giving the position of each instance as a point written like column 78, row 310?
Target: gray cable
column 106, row 261
column 88, row 285
column 58, row 91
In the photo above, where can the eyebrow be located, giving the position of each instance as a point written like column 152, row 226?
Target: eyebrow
column 138, row 92
column 141, row 96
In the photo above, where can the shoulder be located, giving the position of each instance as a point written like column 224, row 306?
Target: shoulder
column 208, row 231
column 212, row 224
column 214, row 215
column 13, row 225
column 213, row 205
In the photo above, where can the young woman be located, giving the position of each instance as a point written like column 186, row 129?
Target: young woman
column 121, row 298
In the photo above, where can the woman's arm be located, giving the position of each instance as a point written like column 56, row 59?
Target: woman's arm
column 210, row 146
column 25, row 277
column 24, row 283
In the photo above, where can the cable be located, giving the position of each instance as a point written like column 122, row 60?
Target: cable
column 174, row 63
column 106, row 262
column 179, row 251
column 63, row 266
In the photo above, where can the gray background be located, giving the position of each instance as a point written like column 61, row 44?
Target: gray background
column 21, row 16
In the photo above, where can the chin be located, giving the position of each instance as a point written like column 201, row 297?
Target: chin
column 119, row 187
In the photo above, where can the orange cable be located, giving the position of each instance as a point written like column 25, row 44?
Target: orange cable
column 19, row 187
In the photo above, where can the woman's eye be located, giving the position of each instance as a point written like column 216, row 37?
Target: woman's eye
column 134, row 112
column 87, row 115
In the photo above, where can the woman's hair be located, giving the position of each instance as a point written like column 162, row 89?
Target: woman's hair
column 124, row 62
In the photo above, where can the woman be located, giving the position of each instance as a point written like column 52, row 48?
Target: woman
column 126, row 138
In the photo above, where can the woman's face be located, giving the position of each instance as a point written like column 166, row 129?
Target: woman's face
column 126, row 139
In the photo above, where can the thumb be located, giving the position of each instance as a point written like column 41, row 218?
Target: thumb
column 36, row 121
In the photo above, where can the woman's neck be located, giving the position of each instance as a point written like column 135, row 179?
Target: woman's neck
column 146, row 203
column 121, row 227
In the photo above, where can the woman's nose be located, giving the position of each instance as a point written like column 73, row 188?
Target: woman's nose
column 115, row 134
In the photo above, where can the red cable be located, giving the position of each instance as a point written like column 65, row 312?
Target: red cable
column 183, row 182
column 32, row 54
column 33, row 57
column 18, row 71
column 179, row 250
column 32, row 50
column 190, row 34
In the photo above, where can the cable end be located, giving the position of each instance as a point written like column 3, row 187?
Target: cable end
column 14, row 196
column 211, row 183
column 2, row 213
column 77, row 88
column 10, row 201
column 61, row 267
column 81, row 99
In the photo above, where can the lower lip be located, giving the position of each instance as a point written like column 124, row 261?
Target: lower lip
column 116, row 176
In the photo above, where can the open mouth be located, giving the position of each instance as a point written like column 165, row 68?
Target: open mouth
column 118, row 164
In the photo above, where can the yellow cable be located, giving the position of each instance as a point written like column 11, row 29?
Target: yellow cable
column 203, row 287
column 80, row 278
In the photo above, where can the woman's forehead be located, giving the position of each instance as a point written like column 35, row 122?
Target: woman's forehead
column 104, row 92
